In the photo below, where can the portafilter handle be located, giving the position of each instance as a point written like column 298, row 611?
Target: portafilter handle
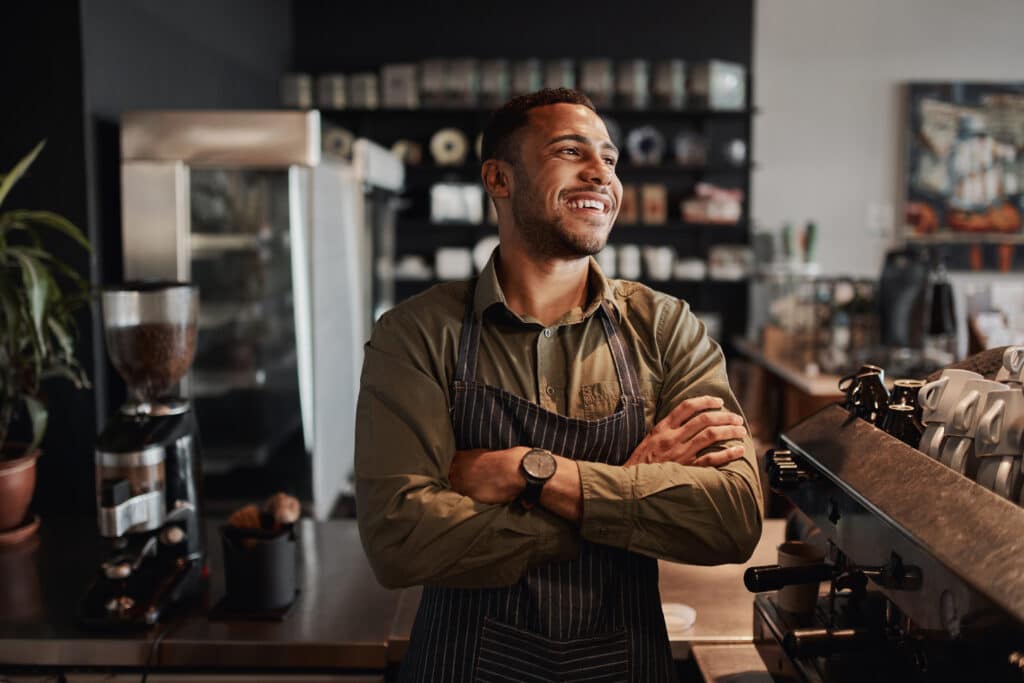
column 773, row 577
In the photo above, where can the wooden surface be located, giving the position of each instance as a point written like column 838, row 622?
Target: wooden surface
column 340, row 620
column 730, row 664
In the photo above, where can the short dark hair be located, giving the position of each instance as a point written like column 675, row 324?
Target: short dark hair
column 511, row 116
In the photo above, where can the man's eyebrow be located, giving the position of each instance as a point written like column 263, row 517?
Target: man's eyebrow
column 583, row 140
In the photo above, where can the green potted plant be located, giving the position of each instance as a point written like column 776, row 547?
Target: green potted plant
column 38, row 296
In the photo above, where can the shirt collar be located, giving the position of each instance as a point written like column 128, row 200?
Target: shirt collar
column 489, row 293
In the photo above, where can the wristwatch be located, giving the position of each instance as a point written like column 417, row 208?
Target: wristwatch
column 538, row 466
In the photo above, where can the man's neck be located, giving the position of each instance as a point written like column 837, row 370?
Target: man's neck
column 545, row 289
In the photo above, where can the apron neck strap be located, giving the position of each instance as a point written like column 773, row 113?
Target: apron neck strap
column 469, row 341
column 625, row 368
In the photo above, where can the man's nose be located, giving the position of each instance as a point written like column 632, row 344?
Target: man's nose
column 598, row 172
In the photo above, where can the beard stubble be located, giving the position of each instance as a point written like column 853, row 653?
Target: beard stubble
column 548, row 237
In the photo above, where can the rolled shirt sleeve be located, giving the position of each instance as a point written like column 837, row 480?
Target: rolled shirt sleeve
column 697, row 515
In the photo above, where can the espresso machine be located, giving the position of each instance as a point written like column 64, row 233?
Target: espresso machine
column 147, row 461
column 923, row 564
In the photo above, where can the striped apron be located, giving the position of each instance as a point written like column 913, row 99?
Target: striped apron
column 594, row 618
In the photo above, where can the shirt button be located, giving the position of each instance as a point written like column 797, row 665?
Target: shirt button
column 551, row 391
column 547, row 333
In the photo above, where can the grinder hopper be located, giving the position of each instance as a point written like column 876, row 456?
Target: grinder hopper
column 151, row 338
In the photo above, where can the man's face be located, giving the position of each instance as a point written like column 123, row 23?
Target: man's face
column 565, row 194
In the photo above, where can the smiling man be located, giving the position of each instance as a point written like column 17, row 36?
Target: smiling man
column 530, row 442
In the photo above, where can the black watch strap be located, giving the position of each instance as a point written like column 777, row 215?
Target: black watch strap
column 531, row 494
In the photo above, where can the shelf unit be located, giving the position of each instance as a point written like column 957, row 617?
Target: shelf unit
column 416, row 234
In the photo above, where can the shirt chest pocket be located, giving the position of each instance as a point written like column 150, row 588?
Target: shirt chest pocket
column 602, row 398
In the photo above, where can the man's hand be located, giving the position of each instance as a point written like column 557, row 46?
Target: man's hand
column 692, row 426
column 489, row 477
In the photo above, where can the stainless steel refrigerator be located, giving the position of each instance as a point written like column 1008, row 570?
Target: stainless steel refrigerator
column 283, row 245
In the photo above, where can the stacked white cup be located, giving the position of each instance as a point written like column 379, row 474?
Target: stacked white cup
column 976, row 426
column 938, row 400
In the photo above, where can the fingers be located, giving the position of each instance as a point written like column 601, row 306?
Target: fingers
column 709, row 436
column 719, row 458
column 687, row 409
column 706, row 420
column 687, row 448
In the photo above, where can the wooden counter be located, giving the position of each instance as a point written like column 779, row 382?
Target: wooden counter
column 340, row 621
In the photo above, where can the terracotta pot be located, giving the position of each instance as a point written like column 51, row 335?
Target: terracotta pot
column 17, row 483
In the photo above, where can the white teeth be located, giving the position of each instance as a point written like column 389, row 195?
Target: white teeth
column 587, row 204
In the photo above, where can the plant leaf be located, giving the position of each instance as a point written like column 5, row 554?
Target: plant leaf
column 74, row 373
column 36, row 287
column 8, row 302
column 11, row 178
column 63, row 338
column 54, row 221
column 66, row 270
column 38, row 415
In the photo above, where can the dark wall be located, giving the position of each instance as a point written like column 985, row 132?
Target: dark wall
column 41, row 72
column 183, row 54
column 69, row 70
column 344, row 36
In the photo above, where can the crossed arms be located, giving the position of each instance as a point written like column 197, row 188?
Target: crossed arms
column 429, row 514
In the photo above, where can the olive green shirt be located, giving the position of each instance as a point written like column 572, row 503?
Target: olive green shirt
column 417, row 530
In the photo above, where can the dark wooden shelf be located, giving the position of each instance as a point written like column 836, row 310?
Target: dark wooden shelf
column 429, row 173
column 669, row 167
column 614, row 112
column 675, row 226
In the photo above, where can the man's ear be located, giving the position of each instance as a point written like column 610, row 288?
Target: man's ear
column 496, row 178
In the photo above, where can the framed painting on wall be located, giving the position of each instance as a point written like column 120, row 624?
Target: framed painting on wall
column 964, row 169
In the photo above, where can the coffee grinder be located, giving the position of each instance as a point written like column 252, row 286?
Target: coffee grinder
column 147, row 461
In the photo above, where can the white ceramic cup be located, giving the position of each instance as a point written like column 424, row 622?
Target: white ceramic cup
column 1001, row 475
column 658, row 261
column 629, row 262
column 938, row 398
column 1001, row 426
column 968, row 410
column 453, row 263
column 958, row 454
column 800, row 598
column 1013, row 365
column 931, row 440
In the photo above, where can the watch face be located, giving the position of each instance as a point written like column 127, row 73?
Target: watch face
column 539, row 464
